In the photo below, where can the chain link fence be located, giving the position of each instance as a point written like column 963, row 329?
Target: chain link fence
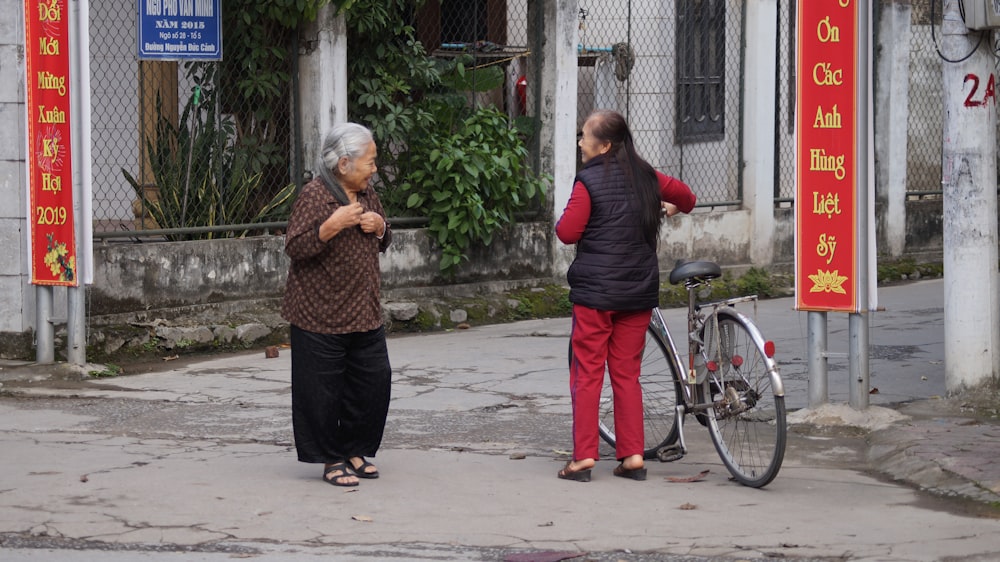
column 188, row 150
column 469, row 72
column 182, row 149
column 185, row 146
column 784, row 99
column 114, row 115
column 925, row 128
column 675, row 70
column 924, row 125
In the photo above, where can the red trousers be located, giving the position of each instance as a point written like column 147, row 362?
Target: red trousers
column 614, row 339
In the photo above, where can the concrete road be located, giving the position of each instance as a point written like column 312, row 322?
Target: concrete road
column 195, row 462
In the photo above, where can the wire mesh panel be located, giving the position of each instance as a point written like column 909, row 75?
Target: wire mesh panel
column 674, row 69
column 784, row 191
column 925, row 128
column 114, row 112
column 189, row 146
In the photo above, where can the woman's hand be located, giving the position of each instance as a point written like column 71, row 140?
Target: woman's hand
column 668, row 209
column 372, row 222
column 344, row 217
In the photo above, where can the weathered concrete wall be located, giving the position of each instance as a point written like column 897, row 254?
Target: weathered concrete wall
column 784, row 236
column 412, row 261
column 181, row 293
column 925, row 228
column 172, row 295
column 137, row 278
column 924, row 232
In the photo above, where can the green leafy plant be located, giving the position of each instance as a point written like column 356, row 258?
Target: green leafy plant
column 203, row 177
column 756, row 281
column 391, row 75
column 251, row 83
column 463, row 168
column 471, row 182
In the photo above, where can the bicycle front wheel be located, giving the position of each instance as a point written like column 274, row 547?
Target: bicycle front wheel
column 659, row 397
column 747, row 419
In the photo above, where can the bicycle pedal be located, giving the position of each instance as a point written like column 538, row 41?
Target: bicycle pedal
column 670, row 453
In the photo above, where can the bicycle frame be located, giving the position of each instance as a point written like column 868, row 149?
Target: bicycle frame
column 696, row 321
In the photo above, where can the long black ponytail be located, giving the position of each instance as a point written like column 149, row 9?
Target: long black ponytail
column 610, row 126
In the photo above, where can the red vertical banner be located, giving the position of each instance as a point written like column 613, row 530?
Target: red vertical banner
column 50, row 177
column 826, row 156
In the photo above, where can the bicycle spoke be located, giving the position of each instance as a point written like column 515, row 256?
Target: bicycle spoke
column 748, row 420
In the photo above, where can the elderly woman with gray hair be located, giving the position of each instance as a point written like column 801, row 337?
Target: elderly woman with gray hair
column 340, row 363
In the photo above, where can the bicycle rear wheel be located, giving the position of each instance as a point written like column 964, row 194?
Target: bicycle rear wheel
column 747, row 422
column 659, row 397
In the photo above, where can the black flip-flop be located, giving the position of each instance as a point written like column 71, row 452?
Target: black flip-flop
column 575, row 475
column 361, row 471
column 633, row 473
column 345, row 472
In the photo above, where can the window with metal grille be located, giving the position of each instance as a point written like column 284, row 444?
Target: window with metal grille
column 701, row 50
column 464, row 23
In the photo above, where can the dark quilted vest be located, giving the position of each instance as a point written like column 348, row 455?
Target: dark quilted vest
column 614, row 268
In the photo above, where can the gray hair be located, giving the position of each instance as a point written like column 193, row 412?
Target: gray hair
column 344, row 139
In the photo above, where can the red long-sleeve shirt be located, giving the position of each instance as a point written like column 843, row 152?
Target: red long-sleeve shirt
column 574, row 219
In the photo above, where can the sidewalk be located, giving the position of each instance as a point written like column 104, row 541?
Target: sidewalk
column 198, row 458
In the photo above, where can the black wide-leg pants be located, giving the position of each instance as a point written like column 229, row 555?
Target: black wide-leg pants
column 340, row 394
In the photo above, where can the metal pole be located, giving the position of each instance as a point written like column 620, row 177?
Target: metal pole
column 76, row 326
column 76, row 351
column 858, row 321
column 818, row 387
column 45, row 347
column 858, row 329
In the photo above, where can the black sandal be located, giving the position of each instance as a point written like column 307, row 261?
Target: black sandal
column 582, row 475
column 633, row 473
column 362, row 471
column 337, row 479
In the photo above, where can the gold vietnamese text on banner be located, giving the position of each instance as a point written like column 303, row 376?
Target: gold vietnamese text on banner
column 826, row 157
column 50, row 177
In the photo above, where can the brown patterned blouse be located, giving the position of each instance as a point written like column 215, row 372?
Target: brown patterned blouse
column 333, row 287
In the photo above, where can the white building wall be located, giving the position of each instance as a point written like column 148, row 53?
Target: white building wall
column 15, row 296
column 758, row 132
column 892, row 99
column 558, row 110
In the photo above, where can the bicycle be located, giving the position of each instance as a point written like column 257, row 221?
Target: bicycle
column 730, row 384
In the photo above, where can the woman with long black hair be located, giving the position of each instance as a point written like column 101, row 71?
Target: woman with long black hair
column 613, row 216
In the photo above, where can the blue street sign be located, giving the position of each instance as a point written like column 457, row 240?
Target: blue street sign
column 180, row 30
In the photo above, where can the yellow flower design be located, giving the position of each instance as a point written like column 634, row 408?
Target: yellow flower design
column 828, row 282
column 61, row 266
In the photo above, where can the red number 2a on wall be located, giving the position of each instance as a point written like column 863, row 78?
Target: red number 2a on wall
column 989, row 95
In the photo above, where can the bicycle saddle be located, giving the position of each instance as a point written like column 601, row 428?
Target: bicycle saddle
column 684, row 270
